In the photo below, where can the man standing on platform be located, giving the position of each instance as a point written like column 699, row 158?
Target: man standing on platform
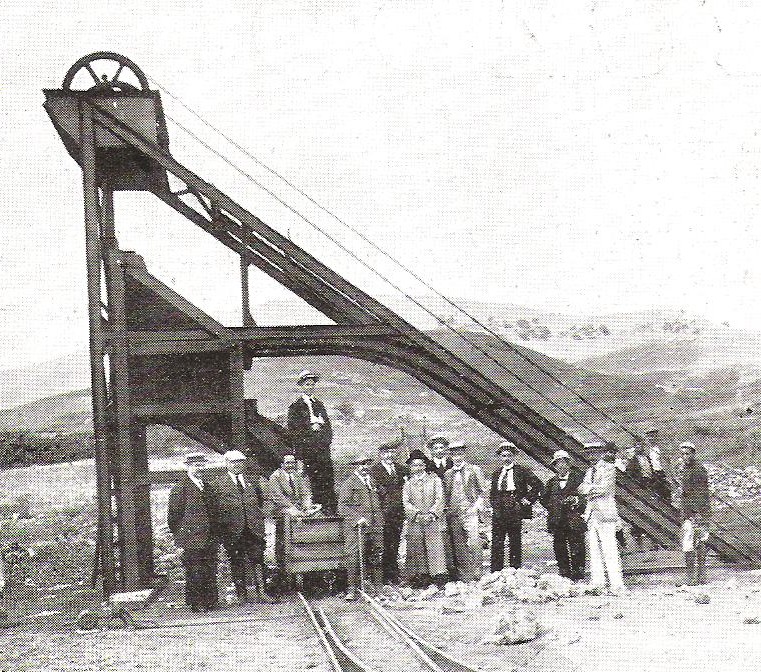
column 599, row 487
column 565, row 521
column 235, row 503
column 291, row 495
column 514, row 489
column 188, row 520
column 440, row 461
column 696, row 512
column 311, row 434
column 464, row 498
column 360, row 508
column 389, row 476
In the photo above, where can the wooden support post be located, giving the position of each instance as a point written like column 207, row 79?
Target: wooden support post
column 125, row 458
column 238, row 434
column 97, row 366
column 248, row 318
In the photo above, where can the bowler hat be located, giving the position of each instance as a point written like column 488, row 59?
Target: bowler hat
column 416, row 454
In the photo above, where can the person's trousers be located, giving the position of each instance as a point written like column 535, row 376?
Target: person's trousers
column 372, row 556
column 201, row 576
column 467, row 553
column 500, row 528
column 570, row 552
column 392, row 535
column 320, row 473
column 246, row 549
column 604, row 557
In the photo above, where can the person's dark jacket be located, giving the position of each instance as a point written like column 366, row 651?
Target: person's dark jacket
column 432, row 468
column 188, row 515
column 527, row 486
column 696, row 499
column 565, row 506
column 308, row 443
column 389, row 489
column 232, row 511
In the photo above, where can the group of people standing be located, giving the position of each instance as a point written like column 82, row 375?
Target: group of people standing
column 436, row 498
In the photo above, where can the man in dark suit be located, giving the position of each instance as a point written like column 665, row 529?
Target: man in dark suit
column 360, row 508
column 440, row 460
column 565, row 516
column 188, row 521
column 235, row 504
column 514, row 489
column 389, row 479
column 311, row 435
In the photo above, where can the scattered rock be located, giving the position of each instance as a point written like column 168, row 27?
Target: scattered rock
column 593, row 617
column 702, row 598
column 618, row 615
column 752, row 620
column 453, row 607
column 88, row 619
column 514, row 626
column 452, row 588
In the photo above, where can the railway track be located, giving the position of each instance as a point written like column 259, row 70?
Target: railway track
column 427, row 657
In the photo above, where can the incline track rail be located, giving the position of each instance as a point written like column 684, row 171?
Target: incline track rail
column 343, row 660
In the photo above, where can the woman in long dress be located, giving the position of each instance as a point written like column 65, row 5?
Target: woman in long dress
column 423, row 497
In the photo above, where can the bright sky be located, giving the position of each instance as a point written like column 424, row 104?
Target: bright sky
column 588, row 157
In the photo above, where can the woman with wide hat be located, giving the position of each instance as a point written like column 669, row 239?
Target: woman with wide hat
column 423, row 497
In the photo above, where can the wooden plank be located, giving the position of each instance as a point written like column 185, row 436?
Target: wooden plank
column 158, row 336
column 237, row 407
column 180, row 347
column 313, row 331
column 179, row 408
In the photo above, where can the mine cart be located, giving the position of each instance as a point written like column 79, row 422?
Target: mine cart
column 313, row 544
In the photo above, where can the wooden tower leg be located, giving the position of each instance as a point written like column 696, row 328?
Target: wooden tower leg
column 97, row 366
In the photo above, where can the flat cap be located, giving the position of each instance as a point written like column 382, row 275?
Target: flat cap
column 194, row 458
column 560, row 455
column 234, row 455
column 362, row 458
column 457, row 447
column 437, row 440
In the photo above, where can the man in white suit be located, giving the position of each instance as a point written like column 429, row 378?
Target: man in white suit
column 599, row 487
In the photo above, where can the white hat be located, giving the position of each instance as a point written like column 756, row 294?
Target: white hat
column 560, row 455
column 306, row 374
column 687, row 444
column 234, row 455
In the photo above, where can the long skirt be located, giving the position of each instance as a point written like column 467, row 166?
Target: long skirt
column 425, row 550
